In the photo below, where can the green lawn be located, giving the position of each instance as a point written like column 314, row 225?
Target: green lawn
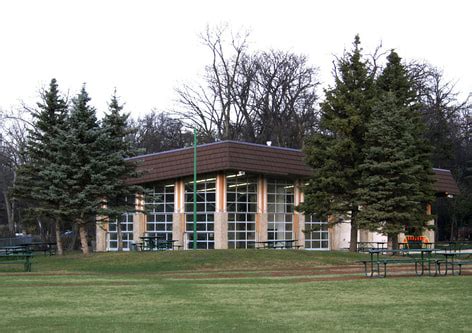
column 220, row 291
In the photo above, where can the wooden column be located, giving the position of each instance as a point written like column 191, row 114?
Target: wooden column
column 221, row 216
column 139, row 220
column 261, row 215
column 429, row 233
column 178, row 217
column 101, row 232
column 298, row 218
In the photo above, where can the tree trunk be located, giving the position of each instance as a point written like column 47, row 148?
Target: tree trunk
column 41, row 230
column 119, row 236
column 227, row 122
column 60, row 248
column 353, row 242
column 392, row 241
column 10, row 213
column 73, row 242
column 83, row 238
column 453, row 229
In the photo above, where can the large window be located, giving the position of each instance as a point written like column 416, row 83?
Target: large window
column 316, row 234
column 160, row 209
column 280, row 207
column 126, row 227
column 206, row 197
column 241, row 198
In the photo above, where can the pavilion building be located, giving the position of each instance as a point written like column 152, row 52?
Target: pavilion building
column 246, row 193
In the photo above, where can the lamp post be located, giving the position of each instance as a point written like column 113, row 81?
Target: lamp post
column 194, row 189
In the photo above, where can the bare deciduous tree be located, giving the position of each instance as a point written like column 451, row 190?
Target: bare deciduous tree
column 256, row 97
column 443, row 112
column 14, row 127
column 159, row 131
column 211, row 107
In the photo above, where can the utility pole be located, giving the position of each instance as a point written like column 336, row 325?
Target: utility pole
column 194, row 189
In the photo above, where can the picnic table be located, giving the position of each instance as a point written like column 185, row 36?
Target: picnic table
column 45, row 247
column 150, row 243
column 425, row 259
column 453, row 258
column 12, row 249
column 415, row 245
column 366, row 246
column 278, row 244
column 16, row 254
column 372, row 267
column 21, row 258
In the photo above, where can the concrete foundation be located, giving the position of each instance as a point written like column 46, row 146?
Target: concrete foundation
column 261, row 227
column 221, row 230
column 178, row 228
column 340, row 236
column 101, row 237
column 298, row 229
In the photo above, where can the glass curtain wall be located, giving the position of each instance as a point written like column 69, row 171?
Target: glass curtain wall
column 316, row 237
column 126, row 226
column 241, row 199
column 206, row 204
column 160, row 208
column 280, row 207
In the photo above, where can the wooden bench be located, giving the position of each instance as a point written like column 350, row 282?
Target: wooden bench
column 17, row 258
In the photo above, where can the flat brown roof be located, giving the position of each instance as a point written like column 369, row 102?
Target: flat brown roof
column 243, row 156
column 222, row 156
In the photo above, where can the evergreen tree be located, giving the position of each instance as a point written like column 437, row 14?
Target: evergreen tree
column 91, row 165
column 397, row 177
column 116, row 148
column 392, row 191
column 78, row 173
column 34, row 181
column 335, row 153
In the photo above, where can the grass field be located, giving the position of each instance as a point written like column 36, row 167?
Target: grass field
column 224, row 290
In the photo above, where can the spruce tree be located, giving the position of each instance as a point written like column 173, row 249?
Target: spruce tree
column 35, row 179
column 335, row 153
column 92, row 165
column 391, row 192
column 78, row 174
column 396, row 174
column 116, row 148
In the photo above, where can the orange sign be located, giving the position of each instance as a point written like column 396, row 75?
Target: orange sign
column 411, row 238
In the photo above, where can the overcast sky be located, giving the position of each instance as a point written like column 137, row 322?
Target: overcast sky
column 147, row 48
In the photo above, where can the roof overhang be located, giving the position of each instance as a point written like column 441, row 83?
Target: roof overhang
column 247, row 157
column 444, row 184
column 222, row 156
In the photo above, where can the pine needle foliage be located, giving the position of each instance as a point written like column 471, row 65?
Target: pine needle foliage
column 335, row 153
column 397, row 176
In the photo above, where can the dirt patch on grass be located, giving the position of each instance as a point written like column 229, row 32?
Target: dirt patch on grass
column 342, row 270
column 298, row 274
column 348, row 278
column 319, row 274
column 45, row 274
column 75, row 284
